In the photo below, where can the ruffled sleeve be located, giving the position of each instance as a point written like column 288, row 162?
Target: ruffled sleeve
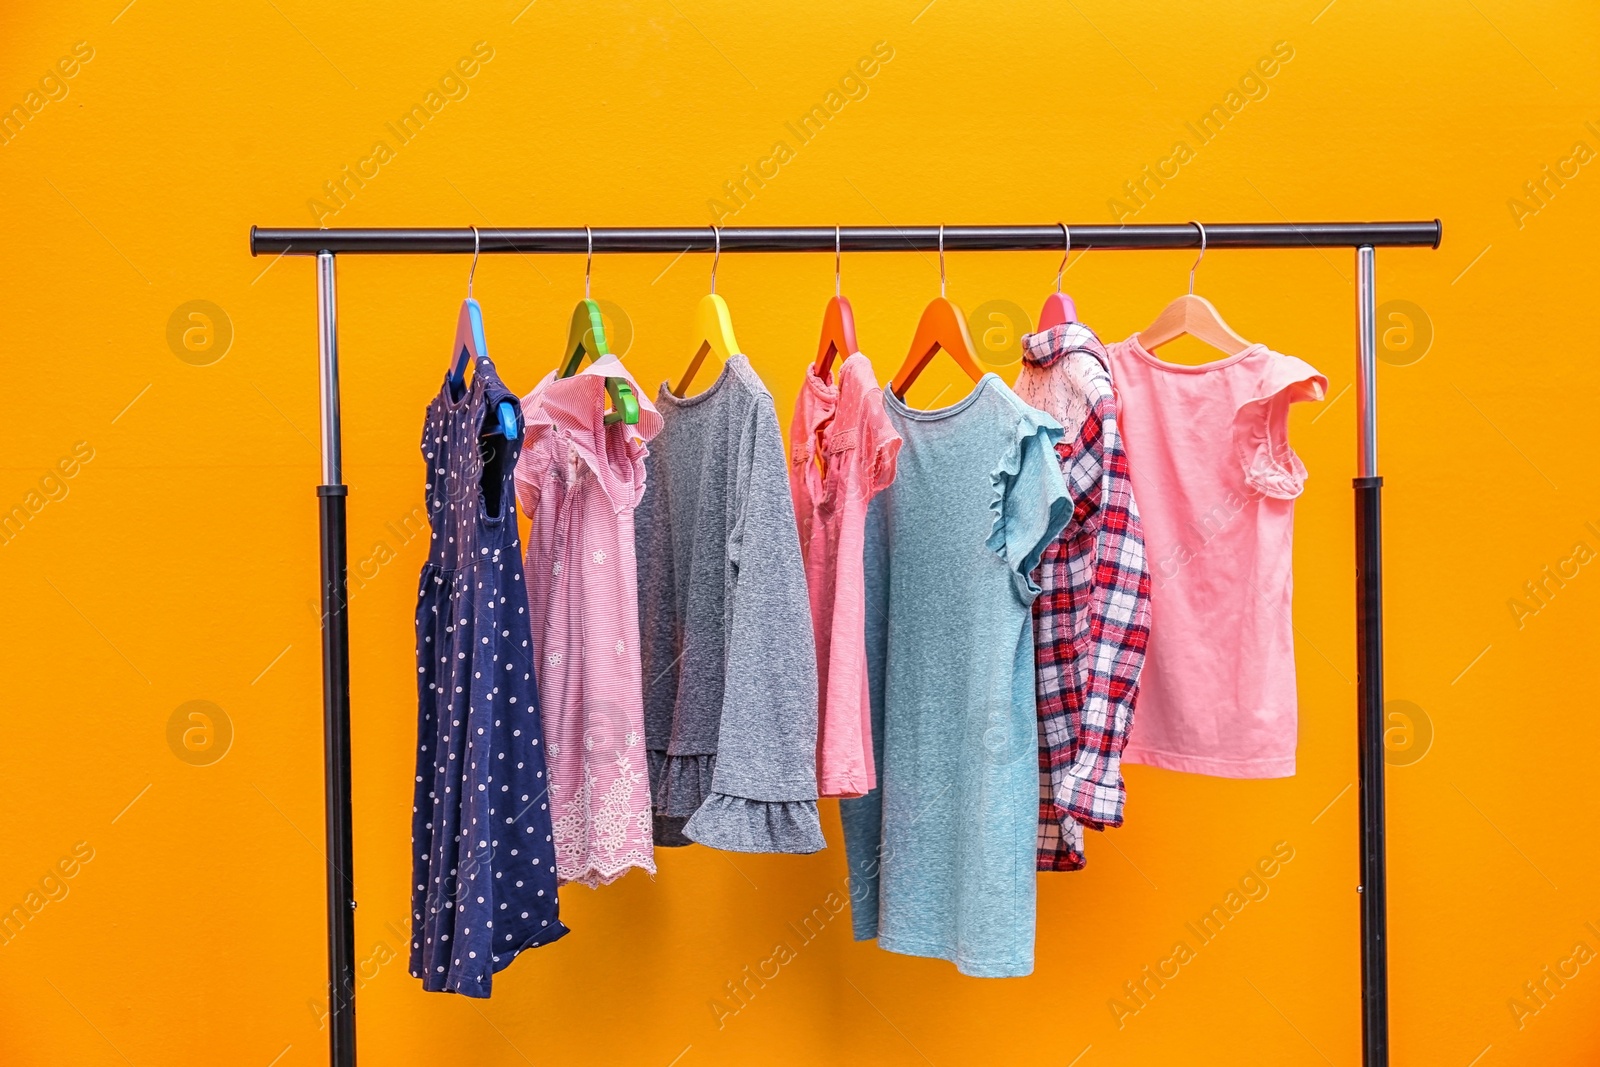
column 625, row 447
column 763, row 795
column 882, row 443
column 533, row 465
column 1261, row 427
column 620, row 466
column 1031, row 504
column 575, row 408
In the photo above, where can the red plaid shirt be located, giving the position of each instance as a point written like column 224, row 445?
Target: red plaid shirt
column 1092, row 618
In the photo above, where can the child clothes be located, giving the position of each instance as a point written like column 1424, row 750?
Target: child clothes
column 579, row 481
column 1208, row 449
column 730, row 670
column 1092, row 616
column 841, row 453
column 942, row 852
column 483, row 862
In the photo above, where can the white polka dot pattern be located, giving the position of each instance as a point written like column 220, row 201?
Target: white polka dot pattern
column 483, row 856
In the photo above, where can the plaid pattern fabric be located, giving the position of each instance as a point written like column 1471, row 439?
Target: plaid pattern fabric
column 1092, row 618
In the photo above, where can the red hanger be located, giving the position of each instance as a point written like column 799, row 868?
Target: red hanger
column 942, row 327
column 1058, row 306
column 838, row 324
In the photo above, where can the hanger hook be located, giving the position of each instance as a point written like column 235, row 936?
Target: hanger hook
column 474, row 268
column 716, row 236
column 1067, row 233
column 941, row 259
column 588, row 263
column 836, row 243
column 1198, row 258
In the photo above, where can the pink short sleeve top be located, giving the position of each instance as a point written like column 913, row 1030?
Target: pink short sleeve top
column 579, row 480
column 842, row 452
column 1209, row 456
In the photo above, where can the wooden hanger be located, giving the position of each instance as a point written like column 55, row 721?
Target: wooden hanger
column 470, row 347
column 838, row 324
column 712, row 323
column 586, row 336
column 942, row 327
column 1058, row 306
column 1192, row 315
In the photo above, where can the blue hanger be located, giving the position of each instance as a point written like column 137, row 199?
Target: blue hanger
column 470, row 345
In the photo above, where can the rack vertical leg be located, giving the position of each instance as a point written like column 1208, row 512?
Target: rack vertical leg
column 335, row 689
column 1369, row 680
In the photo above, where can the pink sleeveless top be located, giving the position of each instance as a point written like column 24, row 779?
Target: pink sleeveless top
column 1209, row 456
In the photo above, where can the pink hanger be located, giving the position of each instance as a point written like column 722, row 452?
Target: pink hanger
column 1058, row 306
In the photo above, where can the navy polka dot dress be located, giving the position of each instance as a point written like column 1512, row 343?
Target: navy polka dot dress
column 483, row 863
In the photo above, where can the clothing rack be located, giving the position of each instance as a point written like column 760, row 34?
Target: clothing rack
column 1364, row 237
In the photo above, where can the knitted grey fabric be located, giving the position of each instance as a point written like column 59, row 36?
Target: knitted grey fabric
column 730, row 672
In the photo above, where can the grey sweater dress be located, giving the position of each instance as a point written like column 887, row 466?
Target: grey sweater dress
column 730, row 673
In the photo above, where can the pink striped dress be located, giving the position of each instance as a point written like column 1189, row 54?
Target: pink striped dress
column 579, row 480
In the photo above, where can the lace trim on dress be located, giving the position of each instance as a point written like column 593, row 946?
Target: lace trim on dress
column 598, row 834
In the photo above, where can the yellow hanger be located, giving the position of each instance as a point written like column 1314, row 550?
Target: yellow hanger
column 712, row 323
column 1192, row 315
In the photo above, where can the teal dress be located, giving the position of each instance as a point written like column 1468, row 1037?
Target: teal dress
column 941, row 854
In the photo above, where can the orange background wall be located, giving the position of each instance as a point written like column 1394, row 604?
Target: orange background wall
column 178, row 561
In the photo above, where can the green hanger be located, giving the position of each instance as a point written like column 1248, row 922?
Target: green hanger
column 587, row 336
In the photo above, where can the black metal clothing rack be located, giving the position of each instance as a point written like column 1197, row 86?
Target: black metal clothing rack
column 1364, row 237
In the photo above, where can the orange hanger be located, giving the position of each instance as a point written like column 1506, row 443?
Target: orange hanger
column 1192, row 315
column 712, row 322
column 942, row 327
column 838, row 324
column 1058, row 306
